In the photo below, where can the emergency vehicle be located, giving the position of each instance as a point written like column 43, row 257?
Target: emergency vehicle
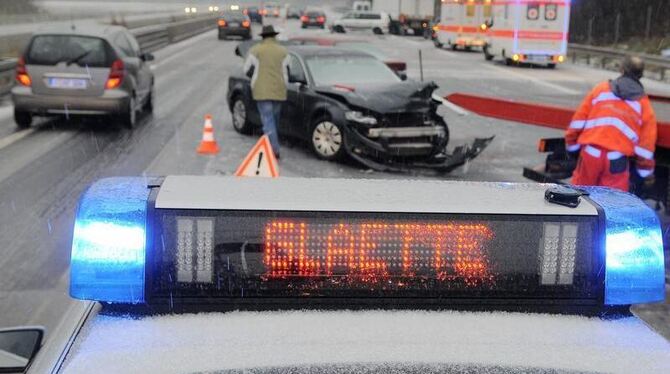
column 463, row 24
column 145, row 247
column 532, row 32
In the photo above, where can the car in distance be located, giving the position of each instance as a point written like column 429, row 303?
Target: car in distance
column 339, row 103
column 293, row 12
column 88, row 70
column 254, row 13
column 234, row 24
column 271, row 10
column 378, row 22
column 313, row 18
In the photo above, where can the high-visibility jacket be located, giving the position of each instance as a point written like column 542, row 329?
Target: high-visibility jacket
column 615, row 124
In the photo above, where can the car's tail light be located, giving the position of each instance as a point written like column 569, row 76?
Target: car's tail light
column 222, row 23
column 22, row 74
column 246, row 24
column 115, row 75
column 304, row 19
column 321, row 19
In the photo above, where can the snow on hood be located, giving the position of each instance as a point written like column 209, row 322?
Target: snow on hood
column 408, row 96
column 243, row 340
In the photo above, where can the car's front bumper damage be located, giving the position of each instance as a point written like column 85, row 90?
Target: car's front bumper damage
column 402, row 149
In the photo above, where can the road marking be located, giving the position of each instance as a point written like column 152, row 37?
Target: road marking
column 182, row 48
column 6, row 112
column 15, row 137
column 510, row 71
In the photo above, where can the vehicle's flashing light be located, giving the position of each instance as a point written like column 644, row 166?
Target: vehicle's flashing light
column 634, row 260
column 109, row 242
column 246, row 24
column 116, row 74
column 22, row 75
column 222, row 23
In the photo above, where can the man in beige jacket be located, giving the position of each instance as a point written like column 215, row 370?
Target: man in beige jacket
column 268, row 66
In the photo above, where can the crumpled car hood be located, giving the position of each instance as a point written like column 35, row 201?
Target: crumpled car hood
column 405, row 96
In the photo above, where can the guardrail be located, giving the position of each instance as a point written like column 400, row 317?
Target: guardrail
column 151, row 38
column 606, row 58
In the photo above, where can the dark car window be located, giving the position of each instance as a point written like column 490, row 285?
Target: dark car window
column 239, row 17
column 314, row 14
column 52, row 49
column 331, row 70
column 297, row 74
column 370, row 16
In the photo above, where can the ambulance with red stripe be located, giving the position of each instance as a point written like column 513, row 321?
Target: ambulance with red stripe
column 463, row 23
column 527, row 31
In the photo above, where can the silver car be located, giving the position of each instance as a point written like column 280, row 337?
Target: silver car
column 81, row 71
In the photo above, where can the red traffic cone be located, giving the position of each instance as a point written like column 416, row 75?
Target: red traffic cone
column 208, row 144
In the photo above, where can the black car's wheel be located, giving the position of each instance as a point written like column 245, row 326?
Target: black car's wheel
column 377, row 31
column 23, row 119
column 304, row 26
column 339, row 29
column 327, row 139
column 551, row 66
column 128, row 118
column 240, row 113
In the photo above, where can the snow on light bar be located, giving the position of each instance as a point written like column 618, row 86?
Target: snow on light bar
column 223, row 240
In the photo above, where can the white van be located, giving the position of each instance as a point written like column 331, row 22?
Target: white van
column 378, row 22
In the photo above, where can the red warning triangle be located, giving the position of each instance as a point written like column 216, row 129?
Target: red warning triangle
column 260, row 162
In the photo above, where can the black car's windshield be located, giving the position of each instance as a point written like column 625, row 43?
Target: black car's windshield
column 331, row 70
column 363, row 47
column 52, row 49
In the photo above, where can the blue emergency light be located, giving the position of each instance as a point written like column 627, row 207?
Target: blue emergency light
column 254, row 246
column 109, row 242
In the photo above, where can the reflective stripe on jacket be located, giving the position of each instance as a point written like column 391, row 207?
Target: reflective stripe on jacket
column 615, row 124
column 270, row 63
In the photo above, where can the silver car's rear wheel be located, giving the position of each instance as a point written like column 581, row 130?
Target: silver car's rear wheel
column 327, row 140
column 129, row 117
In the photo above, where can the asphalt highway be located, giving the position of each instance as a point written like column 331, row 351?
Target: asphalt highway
column 43, row 170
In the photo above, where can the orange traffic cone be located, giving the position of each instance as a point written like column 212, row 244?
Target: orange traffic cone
column 208, row 144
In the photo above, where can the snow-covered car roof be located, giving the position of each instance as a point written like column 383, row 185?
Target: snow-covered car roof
column 368, row 341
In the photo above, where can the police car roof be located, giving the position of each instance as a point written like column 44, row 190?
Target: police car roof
column 356, row 195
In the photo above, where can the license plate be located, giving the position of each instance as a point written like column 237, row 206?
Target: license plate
column 234, row 24
column 312, row 20
column 539, row 59
column 67, row 83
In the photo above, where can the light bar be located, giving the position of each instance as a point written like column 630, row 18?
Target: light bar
column 248, row 241
column 108, row 245
column 635, row 267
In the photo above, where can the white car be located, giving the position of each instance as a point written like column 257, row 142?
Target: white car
column 150, row 257
column 377, row 22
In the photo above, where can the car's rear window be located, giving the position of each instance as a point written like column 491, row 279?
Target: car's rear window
column 314, row 14
column 234, row 17
column 83, row 50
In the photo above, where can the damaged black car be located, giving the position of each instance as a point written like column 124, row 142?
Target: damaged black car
column 347, row 103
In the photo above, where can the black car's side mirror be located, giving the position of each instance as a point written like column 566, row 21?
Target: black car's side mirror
column 237, row 51
column 294, row 78
column 403, row 76
column 147, row 56
column 18, row 347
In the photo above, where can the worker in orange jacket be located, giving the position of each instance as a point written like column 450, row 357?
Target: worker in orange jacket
column 614, row 124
